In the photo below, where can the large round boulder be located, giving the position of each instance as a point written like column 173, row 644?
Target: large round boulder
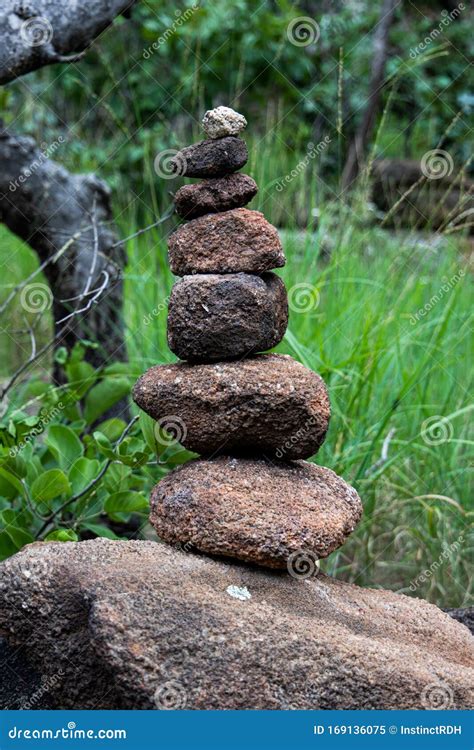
column 272, row 513
column 267, row 404
column 142, row 625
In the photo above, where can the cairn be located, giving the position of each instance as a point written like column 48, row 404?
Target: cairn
column 251, row 416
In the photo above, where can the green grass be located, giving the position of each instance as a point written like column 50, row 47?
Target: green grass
column 388, row 370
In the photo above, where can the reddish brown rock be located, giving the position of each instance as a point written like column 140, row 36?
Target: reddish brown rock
column 214, row 195
column 216, row 316
column 229, row 242
column 143, row 625
column 211, row 158
column 268, row 404
column 272, row 513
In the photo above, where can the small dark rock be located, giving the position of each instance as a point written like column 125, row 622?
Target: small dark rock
column 214, row 195
column 211, row 158
column 229, row 242
column 215, row 316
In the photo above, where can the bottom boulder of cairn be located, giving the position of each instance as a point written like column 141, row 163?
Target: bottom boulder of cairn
column 274, row 514
column 142, row 625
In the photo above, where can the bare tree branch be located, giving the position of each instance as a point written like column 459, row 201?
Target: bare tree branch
column 44, row 204
column 42, row 32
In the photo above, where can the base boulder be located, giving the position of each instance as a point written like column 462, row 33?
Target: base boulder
column 141, row 625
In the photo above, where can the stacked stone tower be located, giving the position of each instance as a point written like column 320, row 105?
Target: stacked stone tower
column 252, row 417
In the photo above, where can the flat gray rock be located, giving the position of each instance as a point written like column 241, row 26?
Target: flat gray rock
column 142, row 625
column 215, row 316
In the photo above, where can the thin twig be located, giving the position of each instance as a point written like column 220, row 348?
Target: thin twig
column 96, row 294
column 52, row 259
column 384, row 453
column 91, row 484
column 169, row 212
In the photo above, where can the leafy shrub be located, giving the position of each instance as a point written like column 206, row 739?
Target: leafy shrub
column 68, row 473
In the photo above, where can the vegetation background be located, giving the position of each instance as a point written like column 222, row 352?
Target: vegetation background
column 385, row 315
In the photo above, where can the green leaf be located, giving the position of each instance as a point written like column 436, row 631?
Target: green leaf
column 49, row 485
column 10, row 486
column 112, row 428
column 81, row 376
column 64, row 445
column 103, row 396
column 18, row 536
column 82, row 472
column 147, row 425
column 60, row 355
column 100, row 530
column 104, row 445
column 126, row 502
column 7, row 546
column 62, row 535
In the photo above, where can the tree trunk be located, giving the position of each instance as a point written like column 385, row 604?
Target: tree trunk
column 358, row 147
column 46, row 206
column 35, row 33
